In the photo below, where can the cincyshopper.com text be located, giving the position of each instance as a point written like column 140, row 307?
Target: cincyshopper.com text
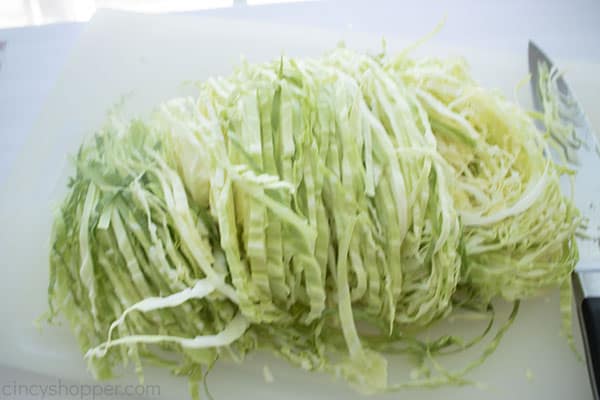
column 63, row 390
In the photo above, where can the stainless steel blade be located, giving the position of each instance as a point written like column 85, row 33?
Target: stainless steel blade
column 581, row 149
column 587, row 179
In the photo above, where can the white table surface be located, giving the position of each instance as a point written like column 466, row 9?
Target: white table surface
column 33, row 56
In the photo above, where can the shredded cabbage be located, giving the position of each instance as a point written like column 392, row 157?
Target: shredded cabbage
column 330, row 210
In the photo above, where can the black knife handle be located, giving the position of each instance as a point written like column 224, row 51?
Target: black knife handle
column 590, row 319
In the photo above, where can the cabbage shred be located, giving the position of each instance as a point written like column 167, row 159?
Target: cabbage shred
column 326, row 209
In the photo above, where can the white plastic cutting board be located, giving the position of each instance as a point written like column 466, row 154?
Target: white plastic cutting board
column 145, row 59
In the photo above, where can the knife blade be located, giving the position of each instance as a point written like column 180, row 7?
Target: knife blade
column 583, row 152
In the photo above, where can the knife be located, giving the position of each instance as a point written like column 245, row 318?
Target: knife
column 586, row 277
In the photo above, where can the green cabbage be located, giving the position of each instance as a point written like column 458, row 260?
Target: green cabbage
column 330, row 210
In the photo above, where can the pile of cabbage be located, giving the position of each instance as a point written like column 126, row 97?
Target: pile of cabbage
column 328, row 210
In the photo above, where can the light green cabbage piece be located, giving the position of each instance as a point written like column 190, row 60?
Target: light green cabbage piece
column 330, row 210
